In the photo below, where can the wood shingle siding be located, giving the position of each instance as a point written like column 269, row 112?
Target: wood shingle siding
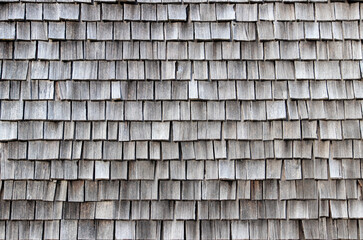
column 181, row 120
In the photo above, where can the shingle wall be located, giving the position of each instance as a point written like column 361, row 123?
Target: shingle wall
column 171, row 120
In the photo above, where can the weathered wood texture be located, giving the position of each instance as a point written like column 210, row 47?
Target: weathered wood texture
column 181, row 119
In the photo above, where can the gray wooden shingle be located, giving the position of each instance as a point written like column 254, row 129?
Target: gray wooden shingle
column 122, row 31
column 38, row 150
column 304, row 11
column 100, row 90
column 171, row 110
column 252, row 50
column 140, row 31
column 75, row 30
column 160, row 131
column 327, row 70
column 330, row 129
column 69, row 11
column 92, row 150
column 30, row 130
column 249, row 130
column 79, row 111
column 289, row 30
column 39, row 70
column 56, row 30
column 35, row 110
column 112, row 12
column 11, row 110
column 202, row 31
column 7, row 30
column 99, row 130
column 34, row 11
column 6, row 50
column 71, row 50
column 114, row 50
column 276, row 110
column 39, row 31
column 9, row 131
column 24, row 50
column 14, row 70
column 289, row 50
column 48, row 51
column 140, row 131
column 96, row 111
column 177, row 12
column 265, row 30
column 177, row 50
column 225, row 12
column 90, row 12
column 220, row 31
column 94, row 50
column 16, row 11
column 114, row 111
column 84, row 70
column 104, row 30
column 51, row 12
column 180, row 133
column 203, row 12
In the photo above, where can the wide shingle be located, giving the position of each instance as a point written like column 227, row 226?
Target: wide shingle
column 15, row 70
column 112, row 12
column 84, row 70
column 75, row 30
column 177, row 12
column 34, row 11
column 90, row 12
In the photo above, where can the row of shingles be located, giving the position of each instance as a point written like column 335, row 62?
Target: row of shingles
column 315, row 93
column 288, row 228
column 203, row 97
column 178, row 210
column 185, row 111
column 143, row 131
column 164, row 131
column 188, row 187
column 276, row 110
column 202, row 31
column 156, row 131
column 148, row 110
column 71, row 229
column 279, row 149
column 292, row 91
column 196, row 51
column 182, row 70
column 339, row 166
column 147, row 131
column 178, row 12
column 199, row 52
column 182, row 210
column 223, row 169
column 202, row 90
column 104, row 229
column 168, row 90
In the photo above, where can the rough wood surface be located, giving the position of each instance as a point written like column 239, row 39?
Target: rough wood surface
column 181, row 120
